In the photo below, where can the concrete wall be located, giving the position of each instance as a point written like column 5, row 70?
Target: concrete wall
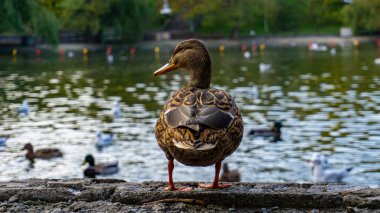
column 112, row 195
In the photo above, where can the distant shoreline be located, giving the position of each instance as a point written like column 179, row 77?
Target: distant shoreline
column 276, row 41
column 270, row 41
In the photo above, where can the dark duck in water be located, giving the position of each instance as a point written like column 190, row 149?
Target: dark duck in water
column 229, row 175
column 273, row 131
column 45, row 153
column 98, row 169
column 199, row 125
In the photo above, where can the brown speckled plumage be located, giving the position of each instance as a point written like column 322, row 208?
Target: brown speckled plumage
column 199, row 125
column 221, row 142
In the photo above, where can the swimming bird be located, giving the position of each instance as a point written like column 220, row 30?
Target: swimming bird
column 377, row 61
column 319, row 164
column 24, row 108
column 116, row 110
column 99, row 169
column 264, row 67
column 3, row 141
column 103, row 139
column 273, row 131
column 199, row 125
column 229, row 175
column 247, row 54
column 318, row 47
column 45, row 153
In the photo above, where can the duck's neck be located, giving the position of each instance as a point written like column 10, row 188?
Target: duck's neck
column 318, row 173
column 91, row 162
column 30, row 151
column 200, row 74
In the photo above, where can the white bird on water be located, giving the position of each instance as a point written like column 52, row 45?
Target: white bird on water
column 3, row 141
column 319, row 164
column 377, row 61
column 24, row 108
column 116, row 110
column 103, row 140
column 264, row 67
column 318, row 47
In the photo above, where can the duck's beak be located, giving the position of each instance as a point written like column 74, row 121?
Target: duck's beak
column 83, row 163
column 165, row 69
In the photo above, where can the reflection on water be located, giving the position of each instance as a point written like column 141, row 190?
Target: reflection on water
column 328, row 104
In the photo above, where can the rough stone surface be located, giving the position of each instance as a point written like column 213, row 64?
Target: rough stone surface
column 111, row 195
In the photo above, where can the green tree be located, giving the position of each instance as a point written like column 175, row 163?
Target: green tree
column 362, row 15
column 127, row 19
column 29, row 17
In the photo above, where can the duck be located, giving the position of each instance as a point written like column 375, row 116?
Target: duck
column 273, row 131
column 116, row 110
column 103, row 139
column 198, row 125
column 264, row 67
column 377, row 61
column 24, row 108
column 99, row 169
column 318, row 47
column 229, row 175
column 45, row 153
column 319, row 165
column 3, row 141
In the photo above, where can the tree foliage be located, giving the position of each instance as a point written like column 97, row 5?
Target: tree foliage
column 128, row 20
column 29, row 17
column 362, row 15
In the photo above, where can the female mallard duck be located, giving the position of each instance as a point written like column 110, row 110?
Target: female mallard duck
column 199, row 125
column 229, row 175
column 46, row 153
column 99, row 169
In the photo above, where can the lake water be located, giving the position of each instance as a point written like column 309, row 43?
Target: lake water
column 329, row 104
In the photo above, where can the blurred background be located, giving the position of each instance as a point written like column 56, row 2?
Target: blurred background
column 312, row 65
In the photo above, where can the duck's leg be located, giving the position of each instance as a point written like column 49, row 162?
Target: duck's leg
column 171, row 186
column 215, row 184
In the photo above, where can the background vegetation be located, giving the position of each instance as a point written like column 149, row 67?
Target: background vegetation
column 129, row 20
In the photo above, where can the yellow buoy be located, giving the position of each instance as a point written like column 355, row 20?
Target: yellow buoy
column 356, row 42
column 14, row 52
column 221, row 48
column 157, row 50
column 262, row 46
column 85, row 51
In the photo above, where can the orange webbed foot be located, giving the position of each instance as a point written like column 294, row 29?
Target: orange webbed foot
column 214, row 186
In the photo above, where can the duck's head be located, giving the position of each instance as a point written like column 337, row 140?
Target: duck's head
column 89, row 159
column 28, row 147
column 318, row 160
column 193, row 56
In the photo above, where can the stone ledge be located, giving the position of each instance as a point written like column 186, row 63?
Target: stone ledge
column 117, row 195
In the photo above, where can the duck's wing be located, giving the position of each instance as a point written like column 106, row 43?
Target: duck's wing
column 337, row 176
column 107, row 168
column 48, row 153
column 192, row 117
column 197, row 111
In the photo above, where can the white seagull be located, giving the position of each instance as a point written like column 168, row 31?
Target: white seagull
column 116, row 110
column 319, row 164
column 3, row 141
column 24, row 108
column 264, row 67
column 103, row 140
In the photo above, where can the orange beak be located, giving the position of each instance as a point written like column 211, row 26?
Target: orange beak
column 165, row 69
